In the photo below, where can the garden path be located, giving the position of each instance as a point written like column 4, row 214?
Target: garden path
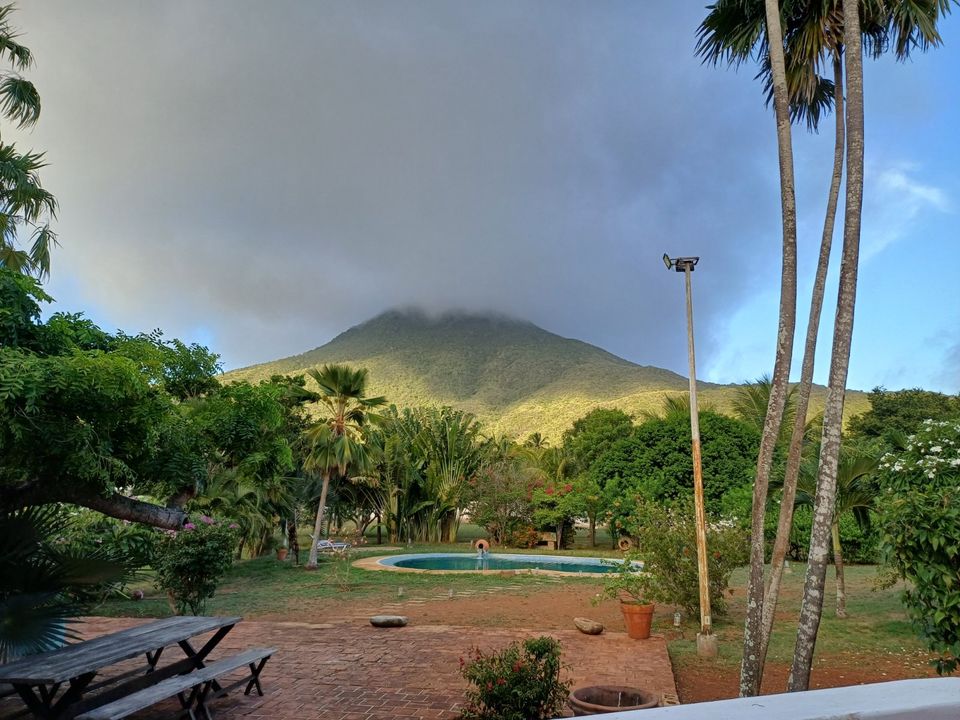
column 352, row 671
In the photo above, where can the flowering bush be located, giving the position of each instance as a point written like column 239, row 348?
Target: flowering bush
column 920, row 518
column 521, row 682
column 668, row 543
column 192, row 562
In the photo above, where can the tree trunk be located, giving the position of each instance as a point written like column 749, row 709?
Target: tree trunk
column 593, row 530
column 379, row 529
column 779, row 384
column 838, row 566
column 294, row 541
column 318, row 526
column 782, row 543
column 825, row 499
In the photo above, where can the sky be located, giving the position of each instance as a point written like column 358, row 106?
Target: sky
column 259, row 177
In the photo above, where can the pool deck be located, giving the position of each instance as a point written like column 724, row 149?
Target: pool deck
column 348, row 670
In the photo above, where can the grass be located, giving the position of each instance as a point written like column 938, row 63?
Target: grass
column 876, row 625
column 264, row 586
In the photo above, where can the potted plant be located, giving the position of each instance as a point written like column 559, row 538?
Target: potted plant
column 635, row 586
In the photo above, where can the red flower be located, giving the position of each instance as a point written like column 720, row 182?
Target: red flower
column 568, row 487
column 549, row 491
column 501, row 681
column 489, row 685
column 517, row 666
column 462, row 663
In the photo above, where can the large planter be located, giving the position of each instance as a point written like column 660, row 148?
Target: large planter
column 282, row 554
column 637, row 617
column 598, row 699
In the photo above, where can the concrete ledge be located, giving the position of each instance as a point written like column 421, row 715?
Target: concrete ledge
column 925, row 699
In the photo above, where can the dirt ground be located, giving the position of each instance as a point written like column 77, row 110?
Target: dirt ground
column 553, row 608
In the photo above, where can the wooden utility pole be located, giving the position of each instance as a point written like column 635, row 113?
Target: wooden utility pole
column 706, row 640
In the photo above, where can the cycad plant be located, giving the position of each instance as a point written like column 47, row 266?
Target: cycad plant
column 45, row 584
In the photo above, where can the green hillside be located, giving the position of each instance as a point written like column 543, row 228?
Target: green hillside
column 515, row 376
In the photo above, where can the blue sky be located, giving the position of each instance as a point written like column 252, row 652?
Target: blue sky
column 261, row 177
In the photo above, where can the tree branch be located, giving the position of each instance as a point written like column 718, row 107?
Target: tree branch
column 115, row 505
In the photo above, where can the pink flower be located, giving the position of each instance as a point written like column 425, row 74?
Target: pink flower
column 189, row 526
column 233, row 526
column 206, row 520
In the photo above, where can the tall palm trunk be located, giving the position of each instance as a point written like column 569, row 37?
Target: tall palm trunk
column 838, row 566
column 318, row 526
column 782, row 542
column 779, row 386
column 824, row 502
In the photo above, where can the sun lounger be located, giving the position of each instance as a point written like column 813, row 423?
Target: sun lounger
column 332, row 545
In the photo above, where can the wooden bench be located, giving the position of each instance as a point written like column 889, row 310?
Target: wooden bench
column 202, row 684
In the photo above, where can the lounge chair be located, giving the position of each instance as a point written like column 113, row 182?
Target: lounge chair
column 332, row 545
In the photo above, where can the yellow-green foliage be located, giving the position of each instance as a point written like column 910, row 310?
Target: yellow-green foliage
column 514, row 376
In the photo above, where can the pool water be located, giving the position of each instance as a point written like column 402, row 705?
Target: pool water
column 467, row 561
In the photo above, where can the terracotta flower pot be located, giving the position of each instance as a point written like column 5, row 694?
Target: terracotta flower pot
column 597, row 699
column 637, row 617
column 282, row 554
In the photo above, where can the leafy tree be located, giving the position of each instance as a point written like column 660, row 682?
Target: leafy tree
column 592, row 435
column 336, row 440
column 106, row 421
column 654, row 463
column 901, row 412
column 26, row 208
column 501, row 496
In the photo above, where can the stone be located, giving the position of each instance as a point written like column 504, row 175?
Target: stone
column 588, row 626
column 388, row 621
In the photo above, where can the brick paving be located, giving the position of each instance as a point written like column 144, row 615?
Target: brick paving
column 352, row 671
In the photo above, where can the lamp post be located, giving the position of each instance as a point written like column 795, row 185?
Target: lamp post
column 706, row 640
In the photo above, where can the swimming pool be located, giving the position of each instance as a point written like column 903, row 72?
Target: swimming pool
column 469, row 562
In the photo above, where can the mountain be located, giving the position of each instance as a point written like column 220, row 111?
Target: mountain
column 516, row 377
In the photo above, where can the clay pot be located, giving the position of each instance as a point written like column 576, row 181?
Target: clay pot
column 637, row 617
column 598, row 699
column 282, row 554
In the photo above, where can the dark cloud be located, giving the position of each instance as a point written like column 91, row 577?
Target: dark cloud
column 264, row 175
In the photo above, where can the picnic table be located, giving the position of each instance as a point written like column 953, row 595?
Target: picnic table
column 54, row 684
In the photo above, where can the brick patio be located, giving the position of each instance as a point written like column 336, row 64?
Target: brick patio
column 352, row 671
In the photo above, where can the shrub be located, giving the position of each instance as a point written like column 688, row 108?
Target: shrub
column 521, row 682
column 920, row 533
column 638, row 585
column 91, row 532
column 668, row 543
column 192, row 562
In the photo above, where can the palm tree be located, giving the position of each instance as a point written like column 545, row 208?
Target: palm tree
column 750, row 402
column 910, row 25
column 856, row 494
column 24, row 204
column 336, row 441
column 813, row 37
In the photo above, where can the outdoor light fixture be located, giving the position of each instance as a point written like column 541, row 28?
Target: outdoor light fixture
column 681, row 264
column 706, row 640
